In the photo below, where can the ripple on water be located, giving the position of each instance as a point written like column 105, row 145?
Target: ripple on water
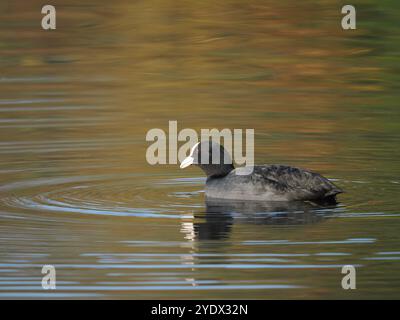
column 126, row 195
column 114, row 195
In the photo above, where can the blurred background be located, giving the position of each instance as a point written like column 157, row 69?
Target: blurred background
column 76, row 191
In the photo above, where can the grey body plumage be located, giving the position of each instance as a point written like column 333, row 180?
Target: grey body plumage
column 271, row 183
column 264, row 183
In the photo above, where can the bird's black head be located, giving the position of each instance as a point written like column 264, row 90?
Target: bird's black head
column 211, row 157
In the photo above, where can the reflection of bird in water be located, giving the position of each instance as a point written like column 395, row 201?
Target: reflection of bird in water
column 261, row 183
column 220, row 215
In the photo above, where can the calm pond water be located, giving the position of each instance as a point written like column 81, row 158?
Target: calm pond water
column 76, row 191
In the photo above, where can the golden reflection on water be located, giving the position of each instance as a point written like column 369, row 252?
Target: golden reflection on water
column 76, row 103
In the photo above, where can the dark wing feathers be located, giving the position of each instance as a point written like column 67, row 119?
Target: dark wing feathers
column 286, row 179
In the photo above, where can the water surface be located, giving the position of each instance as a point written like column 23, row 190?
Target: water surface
column 76, row 191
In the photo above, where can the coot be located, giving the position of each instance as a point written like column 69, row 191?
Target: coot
column 263, row 183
